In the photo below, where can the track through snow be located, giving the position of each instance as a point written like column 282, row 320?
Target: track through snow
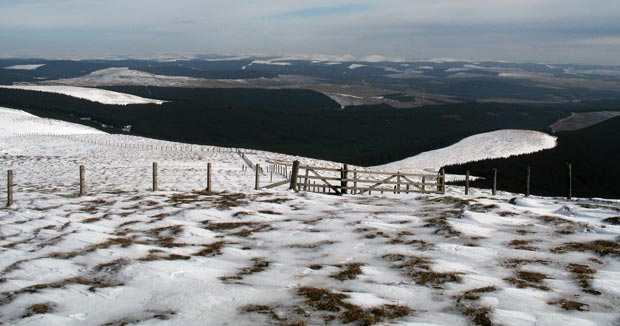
column 91, row 94
column 126, row 255
column 495, row 144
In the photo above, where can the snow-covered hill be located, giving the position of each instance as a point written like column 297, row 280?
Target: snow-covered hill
column 496, row 144
column 24, row 67
column 91, row 94
column 17, row 122
column 126, row 255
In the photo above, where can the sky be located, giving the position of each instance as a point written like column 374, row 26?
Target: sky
column 552, row 31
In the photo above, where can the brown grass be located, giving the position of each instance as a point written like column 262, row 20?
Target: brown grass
column 213, row 249
column 263, row 309
column 601, row 247
column 474, row 294
column 93, row 284
column 39, row 309
column 418, row 269
column 276, row 200
column 328, row 301
column 522, row 245
column 348, row 271
column 584, row 275
column 269, row 212
column 226, row 201
column 440, row 223
column 323, row 299
column 481, row 208
column 612, row 220
column 570, row 305
column 516, row 262
column 526, row 279
column 312, row 245
column 112, row 267
column 91, row 220
column 259, row 265
column 479, row 315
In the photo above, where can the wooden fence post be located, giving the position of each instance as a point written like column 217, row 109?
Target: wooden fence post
column 494, row 182
column 528, row 180
column 467, row 183
column 155, row 183
column 343, row 179
column 294, row 176
column 354, row 182
column 9, row 188
column 209, row 185
column 82, row 180
column 443, row 181
column 569, row 194
column 257, row 179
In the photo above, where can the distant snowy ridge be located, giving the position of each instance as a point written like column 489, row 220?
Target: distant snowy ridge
column 270, row 62
column 90, row 94
column 17, row 122
column 24, row 67
column 496, row 144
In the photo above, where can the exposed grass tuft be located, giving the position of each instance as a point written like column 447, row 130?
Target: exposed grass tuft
column 571, row 305
column 584, row 275
column 259, row 265
column 348, row 271
column 601, row 247
column 39, row 309
column 526, row 279
column 213, row 249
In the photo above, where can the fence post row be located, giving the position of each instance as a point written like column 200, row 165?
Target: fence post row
column 9, row 188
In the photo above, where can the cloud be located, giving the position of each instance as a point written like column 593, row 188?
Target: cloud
column 494, row 29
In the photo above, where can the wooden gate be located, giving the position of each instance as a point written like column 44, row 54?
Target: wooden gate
column 357, row 182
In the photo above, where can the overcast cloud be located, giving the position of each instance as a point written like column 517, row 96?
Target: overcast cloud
column 558, row 31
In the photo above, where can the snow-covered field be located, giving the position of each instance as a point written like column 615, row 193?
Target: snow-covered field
column 180, row 256
column 91, row 94
column 495, row 144
column 16, row 122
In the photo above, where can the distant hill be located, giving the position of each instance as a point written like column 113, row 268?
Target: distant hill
column 594, row 153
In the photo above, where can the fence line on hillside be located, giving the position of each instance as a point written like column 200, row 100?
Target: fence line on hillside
column 338, row 181
column 171, row 147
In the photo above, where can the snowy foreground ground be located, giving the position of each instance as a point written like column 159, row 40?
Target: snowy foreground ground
column 125, row 255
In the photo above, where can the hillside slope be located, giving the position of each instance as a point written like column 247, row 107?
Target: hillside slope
column 123, row 254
